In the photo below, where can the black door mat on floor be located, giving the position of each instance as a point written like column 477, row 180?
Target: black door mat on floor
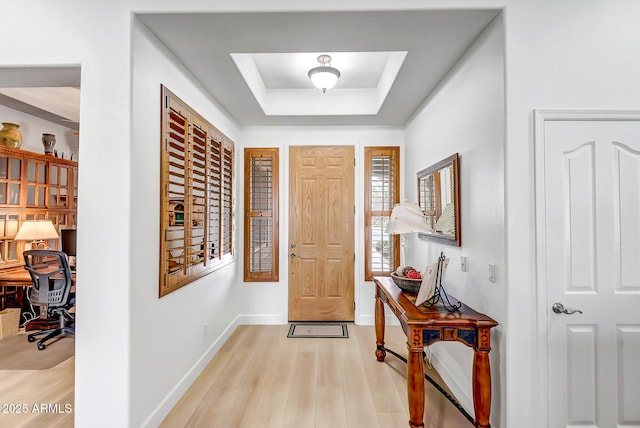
column 319, row 330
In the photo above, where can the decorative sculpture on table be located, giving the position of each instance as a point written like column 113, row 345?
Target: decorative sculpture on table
column 432, row 291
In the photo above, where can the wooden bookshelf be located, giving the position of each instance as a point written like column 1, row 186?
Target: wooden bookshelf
column 34, row 186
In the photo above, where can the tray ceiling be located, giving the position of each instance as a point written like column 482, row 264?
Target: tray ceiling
column 255, row 64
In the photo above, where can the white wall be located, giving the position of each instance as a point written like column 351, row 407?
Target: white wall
column 169, row 343
column 465, row 115
column 32, row 128
column 559, row 55
column 97, row 39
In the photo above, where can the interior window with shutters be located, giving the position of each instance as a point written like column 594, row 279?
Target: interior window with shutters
column 261, row 214
column 382, row 192
column 196, row 235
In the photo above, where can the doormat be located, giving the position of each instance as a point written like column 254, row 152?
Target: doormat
column 319, row 330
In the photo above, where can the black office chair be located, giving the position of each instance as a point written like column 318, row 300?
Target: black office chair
column 52, row 282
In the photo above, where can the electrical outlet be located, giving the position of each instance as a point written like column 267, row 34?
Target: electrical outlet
column 492, row 272
column 463, row 263
column 205, row 329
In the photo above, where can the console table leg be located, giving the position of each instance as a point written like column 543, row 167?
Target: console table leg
column 379, row 320
column 481, row 388
column 415, row 388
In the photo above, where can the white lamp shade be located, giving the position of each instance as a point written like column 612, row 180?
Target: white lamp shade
column 407, row 218
column 324, row 77
column 36, row 230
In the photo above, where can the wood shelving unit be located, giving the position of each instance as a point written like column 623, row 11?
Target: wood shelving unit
column 34, row 186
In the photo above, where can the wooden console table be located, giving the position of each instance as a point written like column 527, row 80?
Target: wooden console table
column 424, row 326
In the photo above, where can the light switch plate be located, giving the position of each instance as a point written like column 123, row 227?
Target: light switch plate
column 492, row 272
column 463, row 263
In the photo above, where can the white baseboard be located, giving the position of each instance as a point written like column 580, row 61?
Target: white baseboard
column 162, row 410
column 456, row 381
column 459, row 385
column 262, row 319
column 164, row 407
column 371, row 320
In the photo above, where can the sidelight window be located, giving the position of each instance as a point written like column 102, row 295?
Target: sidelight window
column 261, row 214
column 382, row 192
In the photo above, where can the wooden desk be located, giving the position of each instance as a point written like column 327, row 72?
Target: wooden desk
column 21, row 279
column 18, row 278
column 424, row 326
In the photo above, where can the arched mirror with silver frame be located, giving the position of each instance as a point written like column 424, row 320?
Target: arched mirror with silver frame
column 439, row 200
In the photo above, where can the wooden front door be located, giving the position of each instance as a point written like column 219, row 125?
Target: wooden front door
column 321, row 235
column 589, row 248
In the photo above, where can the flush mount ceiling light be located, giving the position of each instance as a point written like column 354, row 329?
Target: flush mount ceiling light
column 324, row 76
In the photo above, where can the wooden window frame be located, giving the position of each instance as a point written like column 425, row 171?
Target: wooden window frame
column 196, row 196
column 250, row 155
column 392, row 152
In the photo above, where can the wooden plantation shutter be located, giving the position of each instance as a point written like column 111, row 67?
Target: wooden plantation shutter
column 261, row 215
column 174, row 172
column 196, row 189
column 214, row 215
column 196, row 196
column 382, row 192
column 227, row 200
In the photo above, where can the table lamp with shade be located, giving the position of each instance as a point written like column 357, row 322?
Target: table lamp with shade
column 406, row 218
column 409, row 218
column 38, row 232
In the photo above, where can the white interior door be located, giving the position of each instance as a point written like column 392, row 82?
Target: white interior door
column 588, row 218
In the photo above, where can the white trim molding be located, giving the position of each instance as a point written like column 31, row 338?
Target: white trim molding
column 540, row 118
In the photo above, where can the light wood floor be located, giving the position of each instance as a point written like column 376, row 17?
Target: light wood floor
column 23, row 392
column 261, row 378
